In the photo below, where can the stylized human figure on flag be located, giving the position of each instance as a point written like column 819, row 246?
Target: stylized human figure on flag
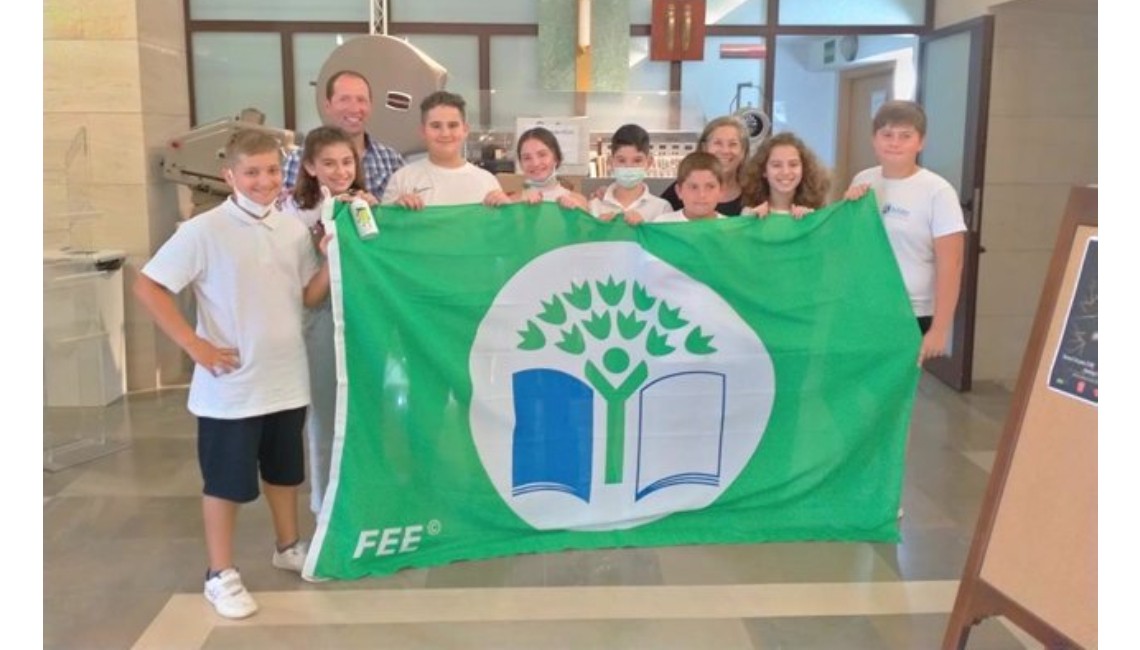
column 582, row 328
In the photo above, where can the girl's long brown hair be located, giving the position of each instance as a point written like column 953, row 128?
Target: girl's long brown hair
column 307, row 192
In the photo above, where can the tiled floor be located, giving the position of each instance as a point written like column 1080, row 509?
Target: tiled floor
column 124, row 555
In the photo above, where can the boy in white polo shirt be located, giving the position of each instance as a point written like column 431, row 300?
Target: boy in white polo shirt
column 628, row 195
column 251, row 269
column 923, row 219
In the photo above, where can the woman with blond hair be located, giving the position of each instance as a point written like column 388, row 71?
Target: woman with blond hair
column 726, row 138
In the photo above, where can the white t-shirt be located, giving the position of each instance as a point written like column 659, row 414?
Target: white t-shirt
column 440, row 185
column 248, row 276
column 677, row 216
column 647, row 205
column 916, row 210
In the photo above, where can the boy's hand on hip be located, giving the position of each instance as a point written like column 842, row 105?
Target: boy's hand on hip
column 218, row 361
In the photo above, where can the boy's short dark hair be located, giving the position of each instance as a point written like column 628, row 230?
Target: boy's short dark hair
column 699, row 161
column 443, row 98
column 330, row 85
column 630, row 135
column 250, row 142
column 898, row 112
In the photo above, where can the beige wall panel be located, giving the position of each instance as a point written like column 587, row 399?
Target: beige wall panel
column 161, row 23
column 91, row 76
column 1041, row 150
column 118, row 154
column 1022, row 217
column 1012, row 282
column 123, row 224
column 164, row 84
column 63, row 19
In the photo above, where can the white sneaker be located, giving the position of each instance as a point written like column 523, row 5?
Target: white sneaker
column 228, row 595
column 293, row 559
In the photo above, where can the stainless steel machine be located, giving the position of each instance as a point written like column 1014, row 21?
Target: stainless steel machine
column 195, row 158
column 400, row 76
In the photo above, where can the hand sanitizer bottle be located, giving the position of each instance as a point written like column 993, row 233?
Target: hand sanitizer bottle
column 362, row 217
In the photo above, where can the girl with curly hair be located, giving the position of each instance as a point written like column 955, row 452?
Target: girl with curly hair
column 784, row 176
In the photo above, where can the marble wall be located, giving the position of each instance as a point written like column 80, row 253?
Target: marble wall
column 1042, row 140
column 115, row 81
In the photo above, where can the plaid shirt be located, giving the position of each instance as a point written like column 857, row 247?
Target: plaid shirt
column 380, row 162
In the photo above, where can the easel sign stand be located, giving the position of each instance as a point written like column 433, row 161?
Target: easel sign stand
column 1033, row 558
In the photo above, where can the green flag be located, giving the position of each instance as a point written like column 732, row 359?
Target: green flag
column 530, row 379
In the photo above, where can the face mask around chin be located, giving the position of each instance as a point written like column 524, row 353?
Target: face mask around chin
column 249, row 204
column 540, row 182
column 629, row 177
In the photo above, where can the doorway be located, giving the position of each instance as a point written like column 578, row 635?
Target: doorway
column 862, row 91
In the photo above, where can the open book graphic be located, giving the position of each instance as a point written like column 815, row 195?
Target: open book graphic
column 553, row 438
column 680, row 432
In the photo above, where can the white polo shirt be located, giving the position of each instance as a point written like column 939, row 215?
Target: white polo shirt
column 647, row 205
column 248, row 276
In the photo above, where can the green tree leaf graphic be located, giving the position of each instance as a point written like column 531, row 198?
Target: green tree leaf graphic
column 670, row 318
column 532, row 337
column 657, row 344
column 629, row 326
column 599, row 325
column 697, row 343
column 615, row 368
column 641, row 298
column 553, row 312
column 611, row 292
column 572, row 341
column 578, row 296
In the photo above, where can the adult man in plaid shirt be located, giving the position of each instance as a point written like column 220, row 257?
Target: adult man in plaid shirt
column 348, row 104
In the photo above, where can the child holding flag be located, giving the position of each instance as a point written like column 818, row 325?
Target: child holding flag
column 784, row 177
column 923, row 218
column 699, row 181
column 444, row 177
column 628, row 195
column 329, row 161
column 252, row 271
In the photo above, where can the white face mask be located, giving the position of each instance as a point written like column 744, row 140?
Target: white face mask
column 629, row 177
column 256, row 209
column 541, row 182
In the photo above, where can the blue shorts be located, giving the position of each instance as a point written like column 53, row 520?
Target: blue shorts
column 230, row 453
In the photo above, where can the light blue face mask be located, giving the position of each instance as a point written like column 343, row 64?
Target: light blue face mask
column 542, row 182
column 629, row 177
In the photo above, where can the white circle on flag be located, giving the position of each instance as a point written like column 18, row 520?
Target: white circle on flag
column 687, row 430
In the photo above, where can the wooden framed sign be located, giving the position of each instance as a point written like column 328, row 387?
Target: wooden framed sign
column 1033, row 558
